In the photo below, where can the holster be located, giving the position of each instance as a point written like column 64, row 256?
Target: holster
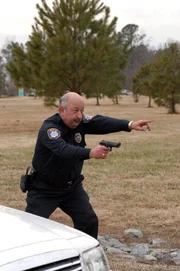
column 26, row 179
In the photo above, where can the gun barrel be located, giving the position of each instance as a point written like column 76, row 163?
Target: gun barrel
column 116, row 144
column 110, row 144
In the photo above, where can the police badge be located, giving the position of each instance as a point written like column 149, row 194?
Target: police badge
column 78, row 137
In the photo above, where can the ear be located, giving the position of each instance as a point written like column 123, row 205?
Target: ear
column 61, row 109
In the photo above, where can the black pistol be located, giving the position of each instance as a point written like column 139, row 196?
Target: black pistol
column 110, row 144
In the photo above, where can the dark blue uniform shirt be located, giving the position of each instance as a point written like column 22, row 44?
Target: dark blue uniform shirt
column 60, row 151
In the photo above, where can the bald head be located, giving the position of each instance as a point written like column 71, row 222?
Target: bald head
column 70, row 97
column 71, row 108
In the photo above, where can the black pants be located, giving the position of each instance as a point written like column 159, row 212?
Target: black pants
column 42, row 200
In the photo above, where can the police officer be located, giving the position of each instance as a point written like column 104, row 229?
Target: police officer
column 58, row 160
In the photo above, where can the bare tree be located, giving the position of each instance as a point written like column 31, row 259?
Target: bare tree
column 8, row 86
column 141, row 56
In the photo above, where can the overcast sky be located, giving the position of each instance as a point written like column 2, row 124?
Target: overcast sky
column 159, row 20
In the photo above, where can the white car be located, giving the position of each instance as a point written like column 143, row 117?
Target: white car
column 126, row 92
column 29, row 242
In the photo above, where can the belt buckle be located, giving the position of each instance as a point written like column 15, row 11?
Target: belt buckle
column 69, row 183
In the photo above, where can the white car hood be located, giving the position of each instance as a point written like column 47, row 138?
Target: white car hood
column 23, row 235
column 18, row 228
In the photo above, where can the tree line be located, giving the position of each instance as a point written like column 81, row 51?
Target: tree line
column 160, row 79
column 74, row 46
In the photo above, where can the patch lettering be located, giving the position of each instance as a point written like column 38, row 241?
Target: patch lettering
column 53, row 133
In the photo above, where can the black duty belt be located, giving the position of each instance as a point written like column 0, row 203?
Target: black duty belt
column 53, row 183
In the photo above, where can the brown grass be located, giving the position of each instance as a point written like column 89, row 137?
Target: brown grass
column 137, row 186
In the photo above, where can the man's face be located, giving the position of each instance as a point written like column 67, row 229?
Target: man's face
column 72, row 114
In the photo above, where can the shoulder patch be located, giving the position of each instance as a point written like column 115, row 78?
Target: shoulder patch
column 86, row 118
column 53, row 133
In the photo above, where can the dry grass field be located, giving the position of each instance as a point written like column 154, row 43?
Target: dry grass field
column 137, row 186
